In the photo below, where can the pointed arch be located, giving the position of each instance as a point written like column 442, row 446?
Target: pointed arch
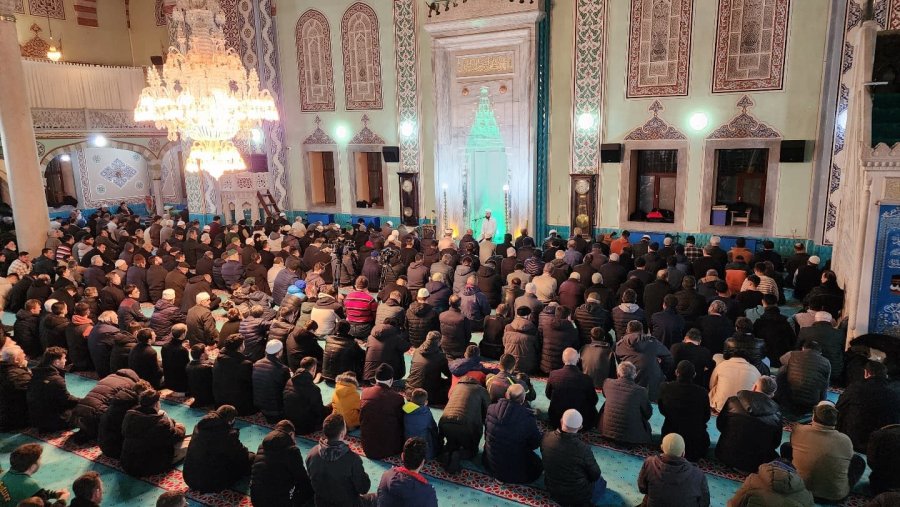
column 314, row 65
column 361, row 51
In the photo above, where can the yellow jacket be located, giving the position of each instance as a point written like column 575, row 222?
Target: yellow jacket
column 345, row 400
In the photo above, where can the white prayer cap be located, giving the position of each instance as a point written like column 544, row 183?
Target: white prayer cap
column 530, row 288
column 168, row 294
column 274, row 346
column 614, row 257
column 815, row 260
column 572, row 419
column 49, row 304
column 823, row 317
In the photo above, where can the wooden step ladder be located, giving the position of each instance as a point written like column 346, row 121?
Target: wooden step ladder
column 268, row 204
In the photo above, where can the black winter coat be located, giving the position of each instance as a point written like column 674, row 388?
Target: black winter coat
column 96, row 402
column 232, row 382
column 337, row 475
column 883, row 457
column 654, row 293
column 491, row 344
column 560, row 335
column 490, row 284
column 148, row 441
column 269, row 377
column 49, row 400
column 200, row 383
column 598, row 361
column 100, row 343
column 456, row 333
column 715, row 329
column 625, row 415
column 420, row 319
column 342, row 354
column 439, row 295
column 278, row 477
column 381, row 422
column 749, row 347
column 79, row 356
column 751, row 428
column 832, row 341
column 195, row 285
column 386, row 344
column 623, row 314
column 302, row 402
column 25, row 331
column 591, row 315
column 53, row 331
column 144, row 361
column 510, row 436
column 175, row 358
column 651, row 358
column 430, row 371
column 803, row 380
column 865, row 406
column 685, row 406
column 14, row 381
column 774, row 330
column 568, row 388
column 216, row 458
column 165, row 315
column 570, row 468
column 156, row 282
column 109, row 431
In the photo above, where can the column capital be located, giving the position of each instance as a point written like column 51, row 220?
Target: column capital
column 8, row 10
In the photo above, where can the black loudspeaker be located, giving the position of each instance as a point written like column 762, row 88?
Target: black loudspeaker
column 793, row 151
column 409, row 198
column 391, row 154
column 259, row 163
column 611, row 153
column 157, row 60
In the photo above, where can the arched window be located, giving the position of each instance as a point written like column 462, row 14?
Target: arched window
column 313, row 37
column 362, row 58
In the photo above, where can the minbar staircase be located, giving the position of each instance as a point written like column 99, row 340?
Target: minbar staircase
column 268, row 204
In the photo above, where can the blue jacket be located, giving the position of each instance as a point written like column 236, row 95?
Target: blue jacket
column 402, row 488
column 418, row 421
column 511, row 434
column 474, row 304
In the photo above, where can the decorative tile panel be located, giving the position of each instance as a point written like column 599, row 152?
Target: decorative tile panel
column 319, row 136
column 659, row 48
column 313, row 39
column 744, row 126
column 47, row 8
column 655, row 128
column 362, row 58
column 751, row 44
column 118, row 173
column 590, row 37
column 405, row 51
column 159, row 11
column 19, row 7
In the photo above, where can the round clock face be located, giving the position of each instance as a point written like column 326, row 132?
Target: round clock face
column 407, row 211
column 407, row 186
column 582, row 187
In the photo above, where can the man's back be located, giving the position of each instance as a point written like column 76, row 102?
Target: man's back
column 570, row 468
column 400, row 487
column 336, row 474
column 822, row 456
column 381, row 422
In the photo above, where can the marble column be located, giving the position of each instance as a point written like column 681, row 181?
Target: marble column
column 26, row 184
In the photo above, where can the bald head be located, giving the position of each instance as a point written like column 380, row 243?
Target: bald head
column 516, row 393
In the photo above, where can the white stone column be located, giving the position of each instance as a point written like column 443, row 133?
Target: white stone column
column 26, row 186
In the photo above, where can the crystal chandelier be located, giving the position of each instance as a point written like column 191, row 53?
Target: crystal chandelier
column 204, row 93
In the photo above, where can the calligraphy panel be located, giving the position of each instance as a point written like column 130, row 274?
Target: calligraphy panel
column 313, row 37
column 751, row 44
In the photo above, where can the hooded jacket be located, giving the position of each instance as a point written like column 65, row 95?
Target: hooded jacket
column 148, row 441
column 345, row 400
column 49, row 399
column 467, row 407
column 591, row 315
column 25, row 329
column 510, row 437
column 144, row 361
column 625, row 313
column 278, row 477
column 775, row 484
column 417, row 276
column 215, row 458
column 14, row 381
column 521, row 341
column 400, row 487
column 474, row 304
column 598, row 361
column 439, row 295
column 97, row 401
column 386, row 344
column 326, row 313
column 430, row 371
column 303, row 403
column 672, row 482
column 418, row 421
column 337, row 474
column 109, row 432
column 651, row 358
column 751, row 430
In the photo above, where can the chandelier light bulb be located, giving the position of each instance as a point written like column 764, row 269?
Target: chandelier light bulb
column 53, row 53
column 100, row 141
column 65, row 157
column 444, row 186
column 256, row 135
column 698, row 121
column 506, row 188
column 407, row 129
column 585, row 121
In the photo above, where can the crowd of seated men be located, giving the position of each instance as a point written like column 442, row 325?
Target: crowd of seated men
column 695, row 330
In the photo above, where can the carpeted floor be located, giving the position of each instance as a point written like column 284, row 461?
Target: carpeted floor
column 63, row 461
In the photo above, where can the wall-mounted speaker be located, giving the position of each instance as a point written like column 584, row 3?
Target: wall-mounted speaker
column 409, row 198
column 611, row 153
column 391, row 154
column 794, row 151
